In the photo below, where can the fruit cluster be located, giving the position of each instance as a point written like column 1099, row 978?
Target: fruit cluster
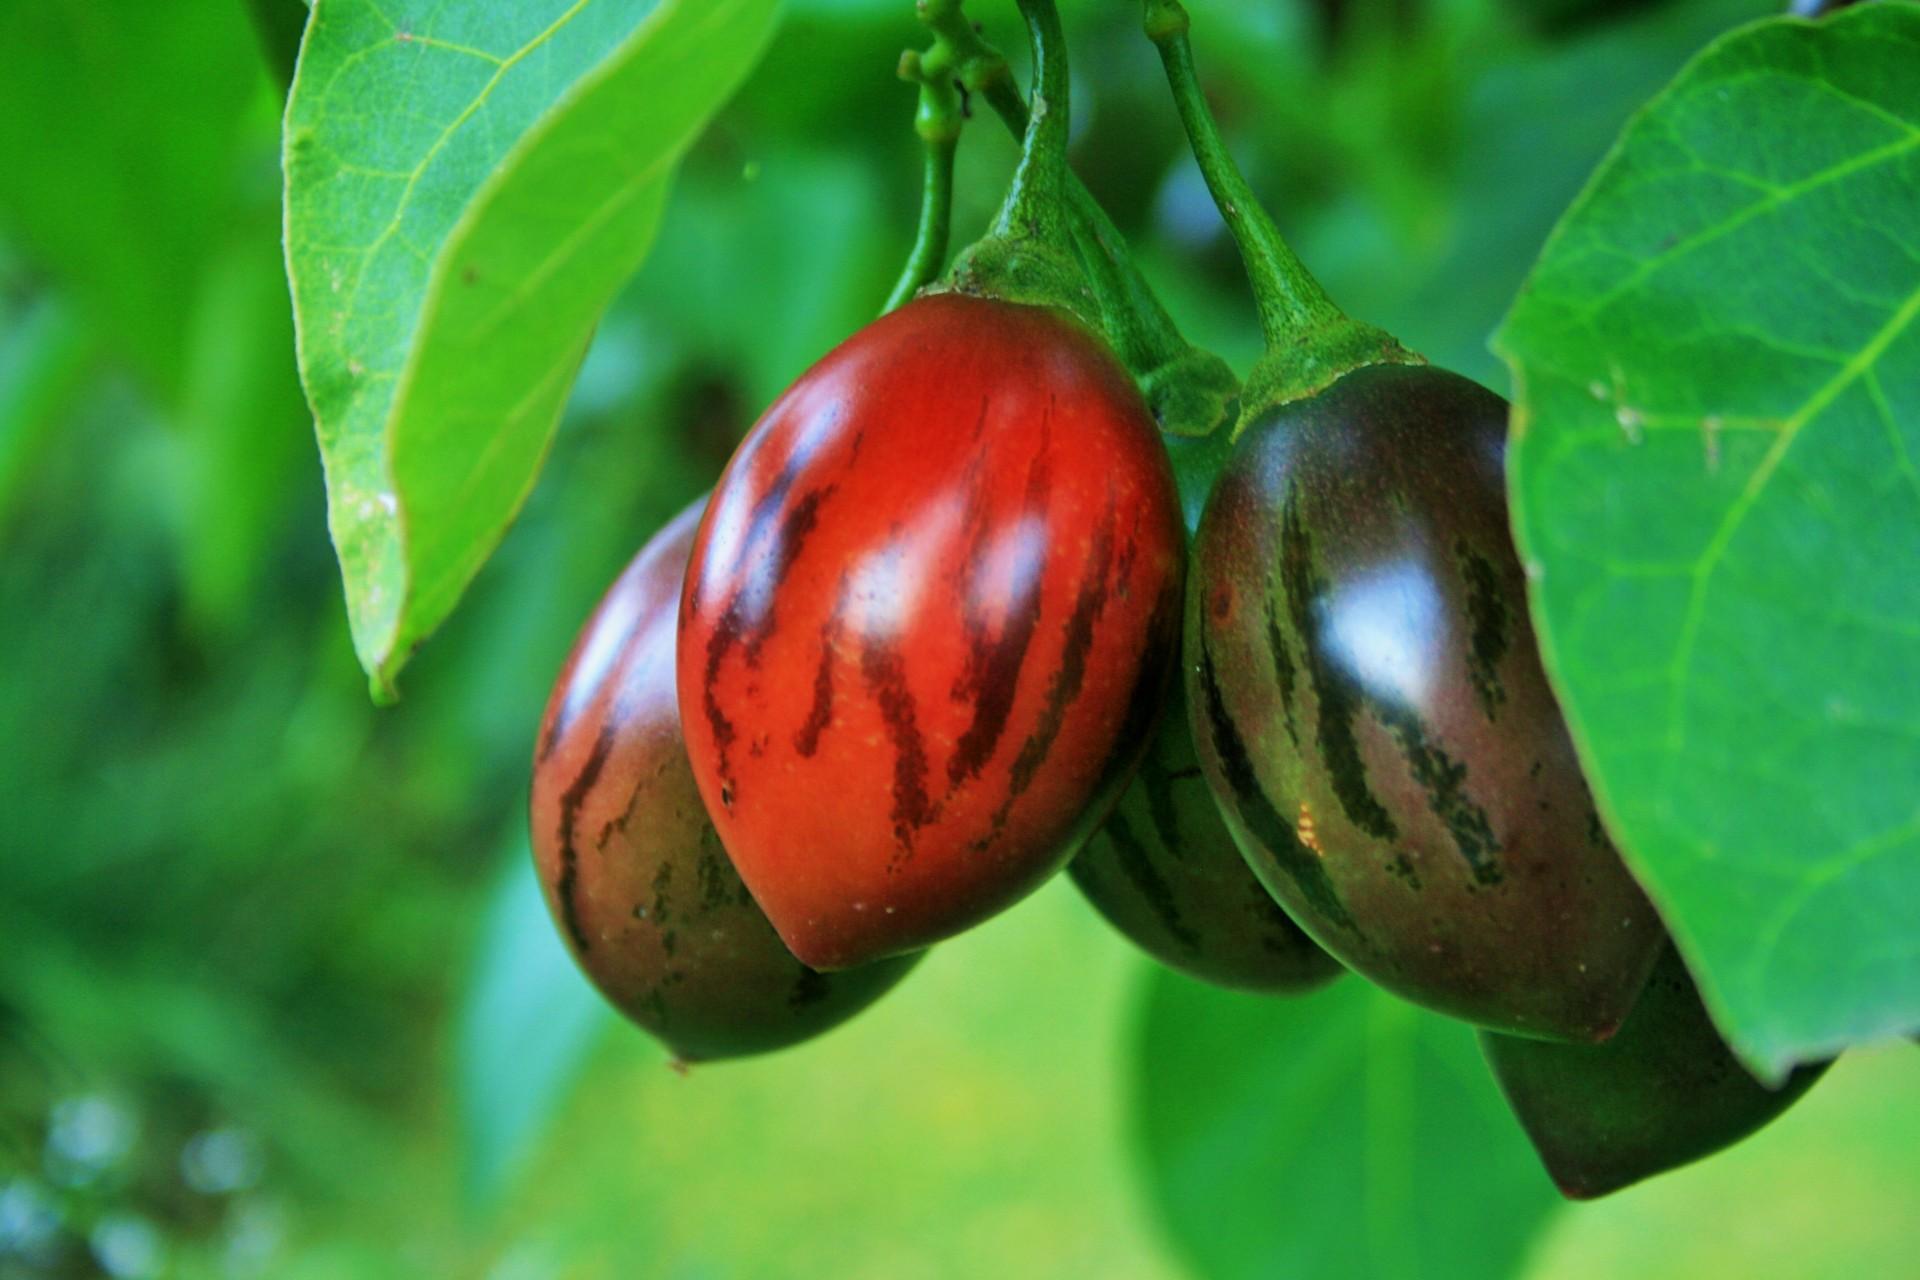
column 941, row 630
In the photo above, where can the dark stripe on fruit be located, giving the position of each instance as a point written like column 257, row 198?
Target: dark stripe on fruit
column 1487, row 612
column 794, row 528
column 1339, row 696
column 1283, row 669
column 807, row 740
column 732, row 628
column 1065, row 686
column 1137, row 864
column 662, row 908
column 993, row 666
column 1279, row 935
column 886, row 676
column 765, row 508
column 725, row 633
column 571, row 709
column 1129, row 556
column 1158, row 784
column 1151, row 682
column 1445, row 782
column 715, row 877
column 1342, row 699
column 1267, row 824
column 570, row 802
column 711, row 848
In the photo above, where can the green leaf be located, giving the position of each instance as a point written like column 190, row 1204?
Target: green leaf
column 527, row 1022
column 467, row 188
column 1716, row 484
column 1344, row 1133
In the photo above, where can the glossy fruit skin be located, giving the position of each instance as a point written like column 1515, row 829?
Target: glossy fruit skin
column 634, row 873
column 929, row 623
column 1370, row 710
column 1662, row 1093
column 1164, row 871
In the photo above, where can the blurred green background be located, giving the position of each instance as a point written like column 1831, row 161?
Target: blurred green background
column 277, row 994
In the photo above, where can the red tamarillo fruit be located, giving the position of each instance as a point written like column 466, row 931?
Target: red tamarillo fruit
column 632, row 869
column 1369, row 707
column 929, row 623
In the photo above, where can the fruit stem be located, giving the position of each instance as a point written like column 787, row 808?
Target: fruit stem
column 1192, row 391
column 1289, row 298
column 938, row 123
column 1038, row 193
column 1310, row 341
column 1028, row 255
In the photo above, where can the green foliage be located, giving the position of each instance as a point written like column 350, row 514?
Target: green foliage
column 449, row 264
column 45, row 354
column 125, row 203
column 1342, row 1133
column 528, row 1021
column 233, row 894
column 158, row 219
column 1717, row 372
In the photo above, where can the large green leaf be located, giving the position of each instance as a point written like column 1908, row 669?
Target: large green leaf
column 467, row 187
column 1345, row 1133
column 1716, row 483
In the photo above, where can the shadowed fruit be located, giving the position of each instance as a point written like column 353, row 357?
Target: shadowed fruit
column 1165, row 872
column 1369, row 708
column 1663, row 1092
column 632, row 869
column 929, row 621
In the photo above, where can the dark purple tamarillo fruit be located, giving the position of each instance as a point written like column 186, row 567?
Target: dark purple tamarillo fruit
column 1165, row 872
column 1665, row 1091
column 631, row 867
column 1370, row 710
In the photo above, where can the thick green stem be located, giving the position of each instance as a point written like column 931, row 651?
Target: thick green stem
column 1038, row 193
column 1138, row 324
column 1310, row 342
column 1028, row 256
column 1288, row 296
column 938, row 124
column 1192, row 391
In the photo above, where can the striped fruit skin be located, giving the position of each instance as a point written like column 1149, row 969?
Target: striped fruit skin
column 1662, row 1093
column 633, row 871
column 929, row 623
column 1164, row 871
column 1368, row 702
